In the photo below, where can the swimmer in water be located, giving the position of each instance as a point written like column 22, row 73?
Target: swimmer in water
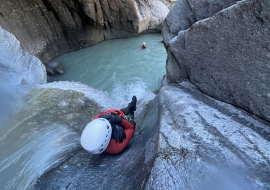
column 144, row 46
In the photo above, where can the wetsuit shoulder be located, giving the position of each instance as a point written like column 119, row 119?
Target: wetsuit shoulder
column 116, row 147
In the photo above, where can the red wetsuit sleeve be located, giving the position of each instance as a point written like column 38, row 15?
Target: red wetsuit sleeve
column 116, row 147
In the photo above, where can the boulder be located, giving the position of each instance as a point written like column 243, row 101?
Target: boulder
column 18, row 67
column 48, row 28
column 186, row 12
column 227, row 55
column 207, row 144
column 54, row 68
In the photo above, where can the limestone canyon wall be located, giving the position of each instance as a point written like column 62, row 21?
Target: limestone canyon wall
column 47, row 28
column 226, row 56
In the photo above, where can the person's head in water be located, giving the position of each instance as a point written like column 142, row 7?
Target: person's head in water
column 144, row 46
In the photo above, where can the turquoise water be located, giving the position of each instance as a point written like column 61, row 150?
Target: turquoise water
column 119, row 67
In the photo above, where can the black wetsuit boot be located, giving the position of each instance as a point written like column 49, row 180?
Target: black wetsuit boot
column 129, row 110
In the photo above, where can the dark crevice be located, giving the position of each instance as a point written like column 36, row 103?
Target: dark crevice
column 1, row 14
column 130, row 22
column 194, row 13
column 82, row 15
column 68, row 185
column 184, row 40
column 109, row 24
column 95, row 5
column 51, row 9
column 260, row 20
column 183, row 68
column 70, row 10
column 170, row 146
column 168, row 171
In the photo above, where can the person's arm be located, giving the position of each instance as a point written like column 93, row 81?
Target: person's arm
column 116, row 147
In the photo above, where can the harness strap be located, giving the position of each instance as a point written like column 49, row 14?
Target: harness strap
column 118, row 112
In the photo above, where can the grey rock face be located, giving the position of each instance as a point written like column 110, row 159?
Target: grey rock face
column 54, row 68
column 18, row 67
column 207, row 144
column 47, row 28
column 169, row 3
column 226, row 56
column 128, row 170
column 186, row 12
column 151, row 14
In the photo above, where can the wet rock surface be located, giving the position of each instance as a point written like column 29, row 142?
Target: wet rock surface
column 226, row 56
column 48, row 28
column 18, row 67
column 207, row 144
column 54, row 68
column 184, row 140
column 43, row 133
column 128, row 170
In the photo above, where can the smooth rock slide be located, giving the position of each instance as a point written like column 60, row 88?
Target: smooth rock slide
column 205, row 144
column 184, row 140
column 127, row 170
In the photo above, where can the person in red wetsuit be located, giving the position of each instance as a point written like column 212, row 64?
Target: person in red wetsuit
column 143, row 46
column 110, row 131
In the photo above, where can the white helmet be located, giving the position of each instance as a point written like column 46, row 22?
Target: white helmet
column 96, row 136
column 143, row 43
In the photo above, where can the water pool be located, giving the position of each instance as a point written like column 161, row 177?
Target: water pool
column 119, row 67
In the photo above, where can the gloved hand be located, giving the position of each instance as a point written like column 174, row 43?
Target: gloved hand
column 118, row 133
column 112, row 118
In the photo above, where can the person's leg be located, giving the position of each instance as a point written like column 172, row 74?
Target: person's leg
column 129, row 110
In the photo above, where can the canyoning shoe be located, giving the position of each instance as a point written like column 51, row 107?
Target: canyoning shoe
column 132, row 104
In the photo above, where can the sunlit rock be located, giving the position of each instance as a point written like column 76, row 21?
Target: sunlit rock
column 169, row 3
column 186, row 12
column 18, row 67
column 227, row 56
column 205, row 144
